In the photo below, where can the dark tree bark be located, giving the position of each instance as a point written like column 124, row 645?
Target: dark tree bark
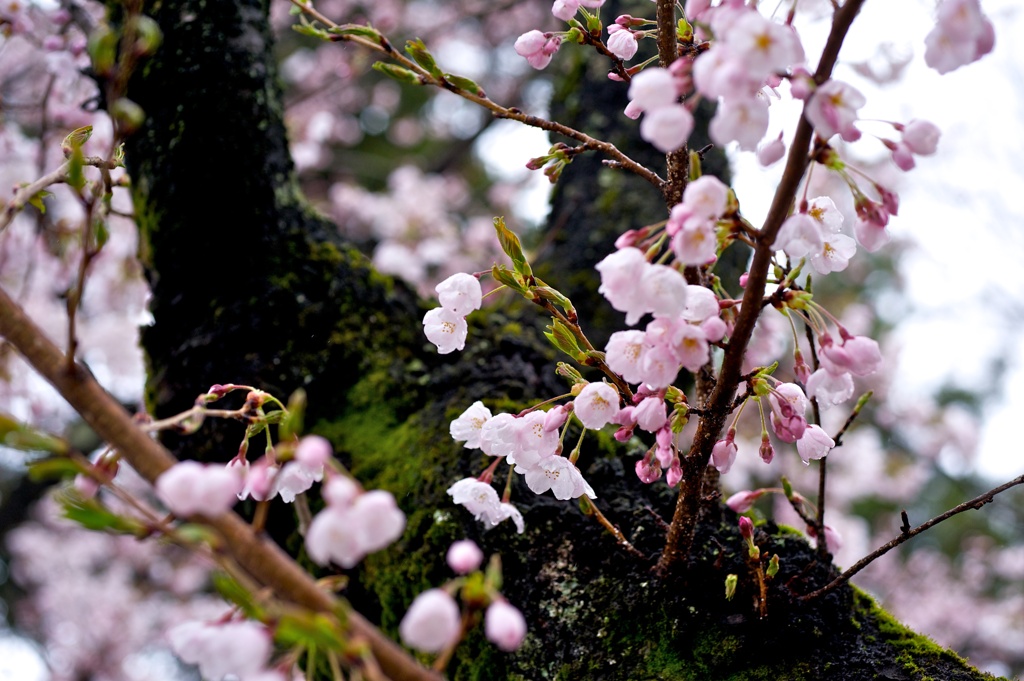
column 251, row 286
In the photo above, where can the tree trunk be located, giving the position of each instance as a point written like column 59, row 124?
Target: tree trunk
column 250, row 286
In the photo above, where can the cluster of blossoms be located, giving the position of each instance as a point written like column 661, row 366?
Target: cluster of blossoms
column 434, row 621
column 353, row 523
column 241, row 649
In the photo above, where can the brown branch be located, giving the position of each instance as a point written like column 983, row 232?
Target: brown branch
column 975, row 503
column 684, row 521
column 618, row 159
column 260, row 557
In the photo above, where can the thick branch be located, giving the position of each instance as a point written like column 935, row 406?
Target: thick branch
column 680, row 535
column 975, row 504
column 264, row 560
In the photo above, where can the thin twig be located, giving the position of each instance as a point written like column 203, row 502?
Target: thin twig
column 383, row 46
column 975, row 503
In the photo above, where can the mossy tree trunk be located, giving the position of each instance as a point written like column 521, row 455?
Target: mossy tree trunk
column 250, row 286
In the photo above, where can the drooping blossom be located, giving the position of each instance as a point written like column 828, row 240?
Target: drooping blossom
column 344, row 533
column 504, row 625
column 743, row 501
column 723, row 454
column 962, row 34
column 469, row 424
column 537, row 48
column 482, row 501
column 667, row 127
column 432, row 622
column 460, row 293
column 445, row 329
column 558, row 474
column 190, row 487
column 239, row 648
column 832, row 109
column 622, row 42
column 815, row 444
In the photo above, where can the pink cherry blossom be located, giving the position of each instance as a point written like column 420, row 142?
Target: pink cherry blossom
column 723, row 454
column 464, row 556
column 498, row 435
column 696, row 243
column 482, row 501
column 469, row 425
column 239, row 648
column 832, row 109
column 189, row 487
column 815, row 444
column 624, row 354
column 445, row 329
column 664, row 289
column 828, row 388
column 789, row 404
column 921, row 137
column 650, row 414
column 740, row 119
column 596, row 405
column 834, row 254
column 432, row 622
column 558, row 474
column 741, row 502
column 532, row 443
column 858, row 355
column 620, row 272
column 504, row 625
column 538, row 48
column 799, row 236
column 667, row 127
column 460, row 293
column 962, row 34
column 622, row 42
column 770, row 152
column 314, row 451
column 707, row 197
column 295, row 478
column 653, row 88
column 647, row 469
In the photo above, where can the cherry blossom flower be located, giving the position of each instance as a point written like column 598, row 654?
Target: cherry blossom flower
column 740, row 119
column 667, row 127
column 624, row 354
column 464, row 556
column 460, row 293
column 961, row 35
column 504, row 625
column 799, row 236
column 829, row 388
column 313, row 451
column 445, row 329
column 723, row 454
column 707, row 197
column 921, row 137
column 538, row 48
column 770, row 152
column 622, row 42
column 664, row 288
column 647, row 469
column 834, row 254
column 789, row 404
column 741, row 502
column 596, row 405
column 858, row 355
column 651, row 414
column 815, row 444
column 469, row 425
column 620, row 272
column 498, row 435
column 432, row 622
column 239, row 648
column 653, row 88
column 189, row 487
column 558, row 474
column 481, row 500
column 295, row 478
column 344, row 534
column 832, row 109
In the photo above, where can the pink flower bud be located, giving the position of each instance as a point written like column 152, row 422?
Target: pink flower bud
column 314, row 451
column 432, row 622
column 646, row 469
column 504, row 625
column 741, row 502
column 464, row 556
column 746, row 528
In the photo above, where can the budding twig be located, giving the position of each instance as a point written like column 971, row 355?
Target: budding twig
column 975, row 504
